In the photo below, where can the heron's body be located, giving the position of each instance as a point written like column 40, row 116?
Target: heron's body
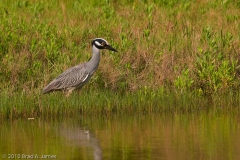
column 77, row 76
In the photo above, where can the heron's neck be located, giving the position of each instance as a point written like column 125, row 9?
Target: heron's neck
column 94, row 61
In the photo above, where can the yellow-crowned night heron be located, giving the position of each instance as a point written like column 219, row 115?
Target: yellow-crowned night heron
column 77, row 76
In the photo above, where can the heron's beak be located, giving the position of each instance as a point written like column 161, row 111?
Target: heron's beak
column 110, row 48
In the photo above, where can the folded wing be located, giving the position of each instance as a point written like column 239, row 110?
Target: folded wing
column 73, row 77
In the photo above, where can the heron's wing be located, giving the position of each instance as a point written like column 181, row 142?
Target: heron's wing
column 70, row 78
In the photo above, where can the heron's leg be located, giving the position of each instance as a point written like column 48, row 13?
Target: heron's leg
column 69, row 92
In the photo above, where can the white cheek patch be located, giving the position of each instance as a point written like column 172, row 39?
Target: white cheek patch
column 97, row 43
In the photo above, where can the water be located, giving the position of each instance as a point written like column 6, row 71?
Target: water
column 160, row 136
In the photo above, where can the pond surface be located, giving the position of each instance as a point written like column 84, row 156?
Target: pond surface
column 160, row 136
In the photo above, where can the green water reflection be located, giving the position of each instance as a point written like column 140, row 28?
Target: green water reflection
column 166, row 136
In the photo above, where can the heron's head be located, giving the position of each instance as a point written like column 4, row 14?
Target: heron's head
column 101, row 43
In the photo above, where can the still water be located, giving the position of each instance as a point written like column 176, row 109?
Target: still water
column 133, row 137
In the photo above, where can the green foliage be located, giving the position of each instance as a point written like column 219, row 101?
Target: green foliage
column 215, row 71
column 184, row 82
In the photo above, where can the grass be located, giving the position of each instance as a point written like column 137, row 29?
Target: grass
column 165, row 48
column 109, row 103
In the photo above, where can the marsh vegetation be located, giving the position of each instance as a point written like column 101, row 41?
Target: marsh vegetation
column 173, row 55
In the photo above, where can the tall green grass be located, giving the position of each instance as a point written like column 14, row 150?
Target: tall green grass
column 109, row 103
column 164, row 46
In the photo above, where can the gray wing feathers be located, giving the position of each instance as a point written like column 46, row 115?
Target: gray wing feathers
column 70, row 78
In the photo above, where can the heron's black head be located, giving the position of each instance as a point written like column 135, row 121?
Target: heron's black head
column 101, row 43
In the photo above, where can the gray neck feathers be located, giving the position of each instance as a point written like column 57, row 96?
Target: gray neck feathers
column 92, row 65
